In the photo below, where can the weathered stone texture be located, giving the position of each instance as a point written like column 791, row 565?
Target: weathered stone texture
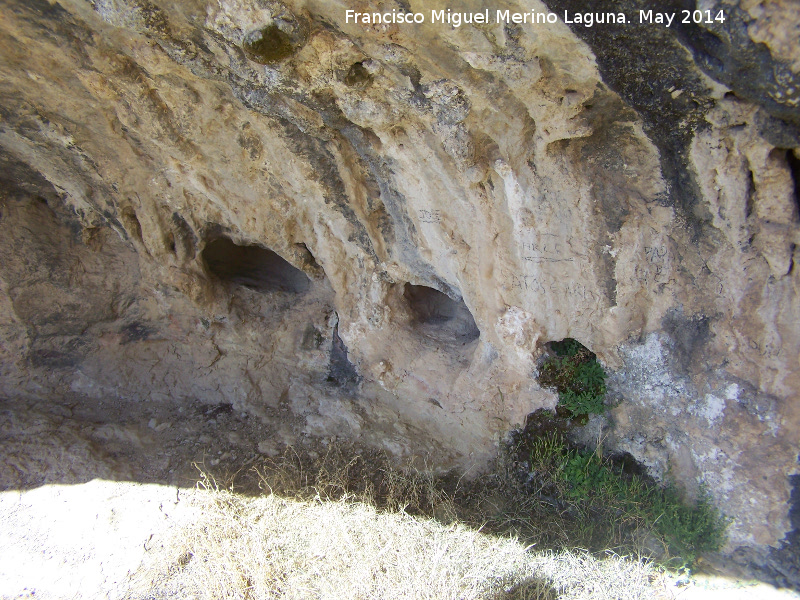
column 538, row 185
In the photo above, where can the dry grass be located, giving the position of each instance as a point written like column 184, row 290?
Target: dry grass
column 277, row 548
column 270, row 547
column 316, row 533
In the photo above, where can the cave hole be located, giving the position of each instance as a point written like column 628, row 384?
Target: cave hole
column 254, row 267
column 268, row 45
column 572, row 370
column 439, row 316
column 358, row 76
column 170, row 242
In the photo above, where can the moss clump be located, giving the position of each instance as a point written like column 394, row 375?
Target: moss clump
column 577, row 377
column 268, row 45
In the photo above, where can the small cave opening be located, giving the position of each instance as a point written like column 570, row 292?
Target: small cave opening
column 570, row 369
column 268, row 45
column 358, row 76
column 253, row 267
column 438, row 316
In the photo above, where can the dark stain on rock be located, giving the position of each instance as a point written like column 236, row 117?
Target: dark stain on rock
column 19, row 180
column 327, row 174
column 55, row 23
column 781, row 565
column 312, row 338
column 132, row 71
column 136, row 332
column 184, row 236
column 725, row 51
column 310, row 147
column 154, row 17
column 340, row 370
column 252, row 144
column 777, row 132
column 644, row 64
column 396, row 225
column 689, row 334
column 131, row 224
column 58, row 352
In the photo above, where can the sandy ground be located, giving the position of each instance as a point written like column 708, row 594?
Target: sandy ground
column 82, row 541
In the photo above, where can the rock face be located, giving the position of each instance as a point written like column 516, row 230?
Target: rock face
column 373, row 230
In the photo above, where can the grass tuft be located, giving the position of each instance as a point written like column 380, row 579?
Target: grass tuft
column 540, row 489
column 609, row 508
column 323, row 537
column 577, row 377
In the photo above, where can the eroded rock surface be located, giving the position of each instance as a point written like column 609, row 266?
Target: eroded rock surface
column 371, row 231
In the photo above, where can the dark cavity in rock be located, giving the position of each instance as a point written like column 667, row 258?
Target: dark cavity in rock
column 268, row 45
column 358, row 76
column 439, row 316
column 254, row 267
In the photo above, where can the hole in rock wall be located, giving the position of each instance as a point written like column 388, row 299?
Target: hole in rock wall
column 573, row 372
column 268, row 45
column 170, row 242
column 358, row 76
column 253, row 267
column 438, row 316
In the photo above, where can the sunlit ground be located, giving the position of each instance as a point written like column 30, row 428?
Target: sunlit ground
column 108, row 539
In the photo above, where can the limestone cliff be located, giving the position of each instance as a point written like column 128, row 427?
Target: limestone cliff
column 373, row 230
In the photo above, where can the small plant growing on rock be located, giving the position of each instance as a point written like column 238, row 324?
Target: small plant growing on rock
column 609, row 506
column 577, row 376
